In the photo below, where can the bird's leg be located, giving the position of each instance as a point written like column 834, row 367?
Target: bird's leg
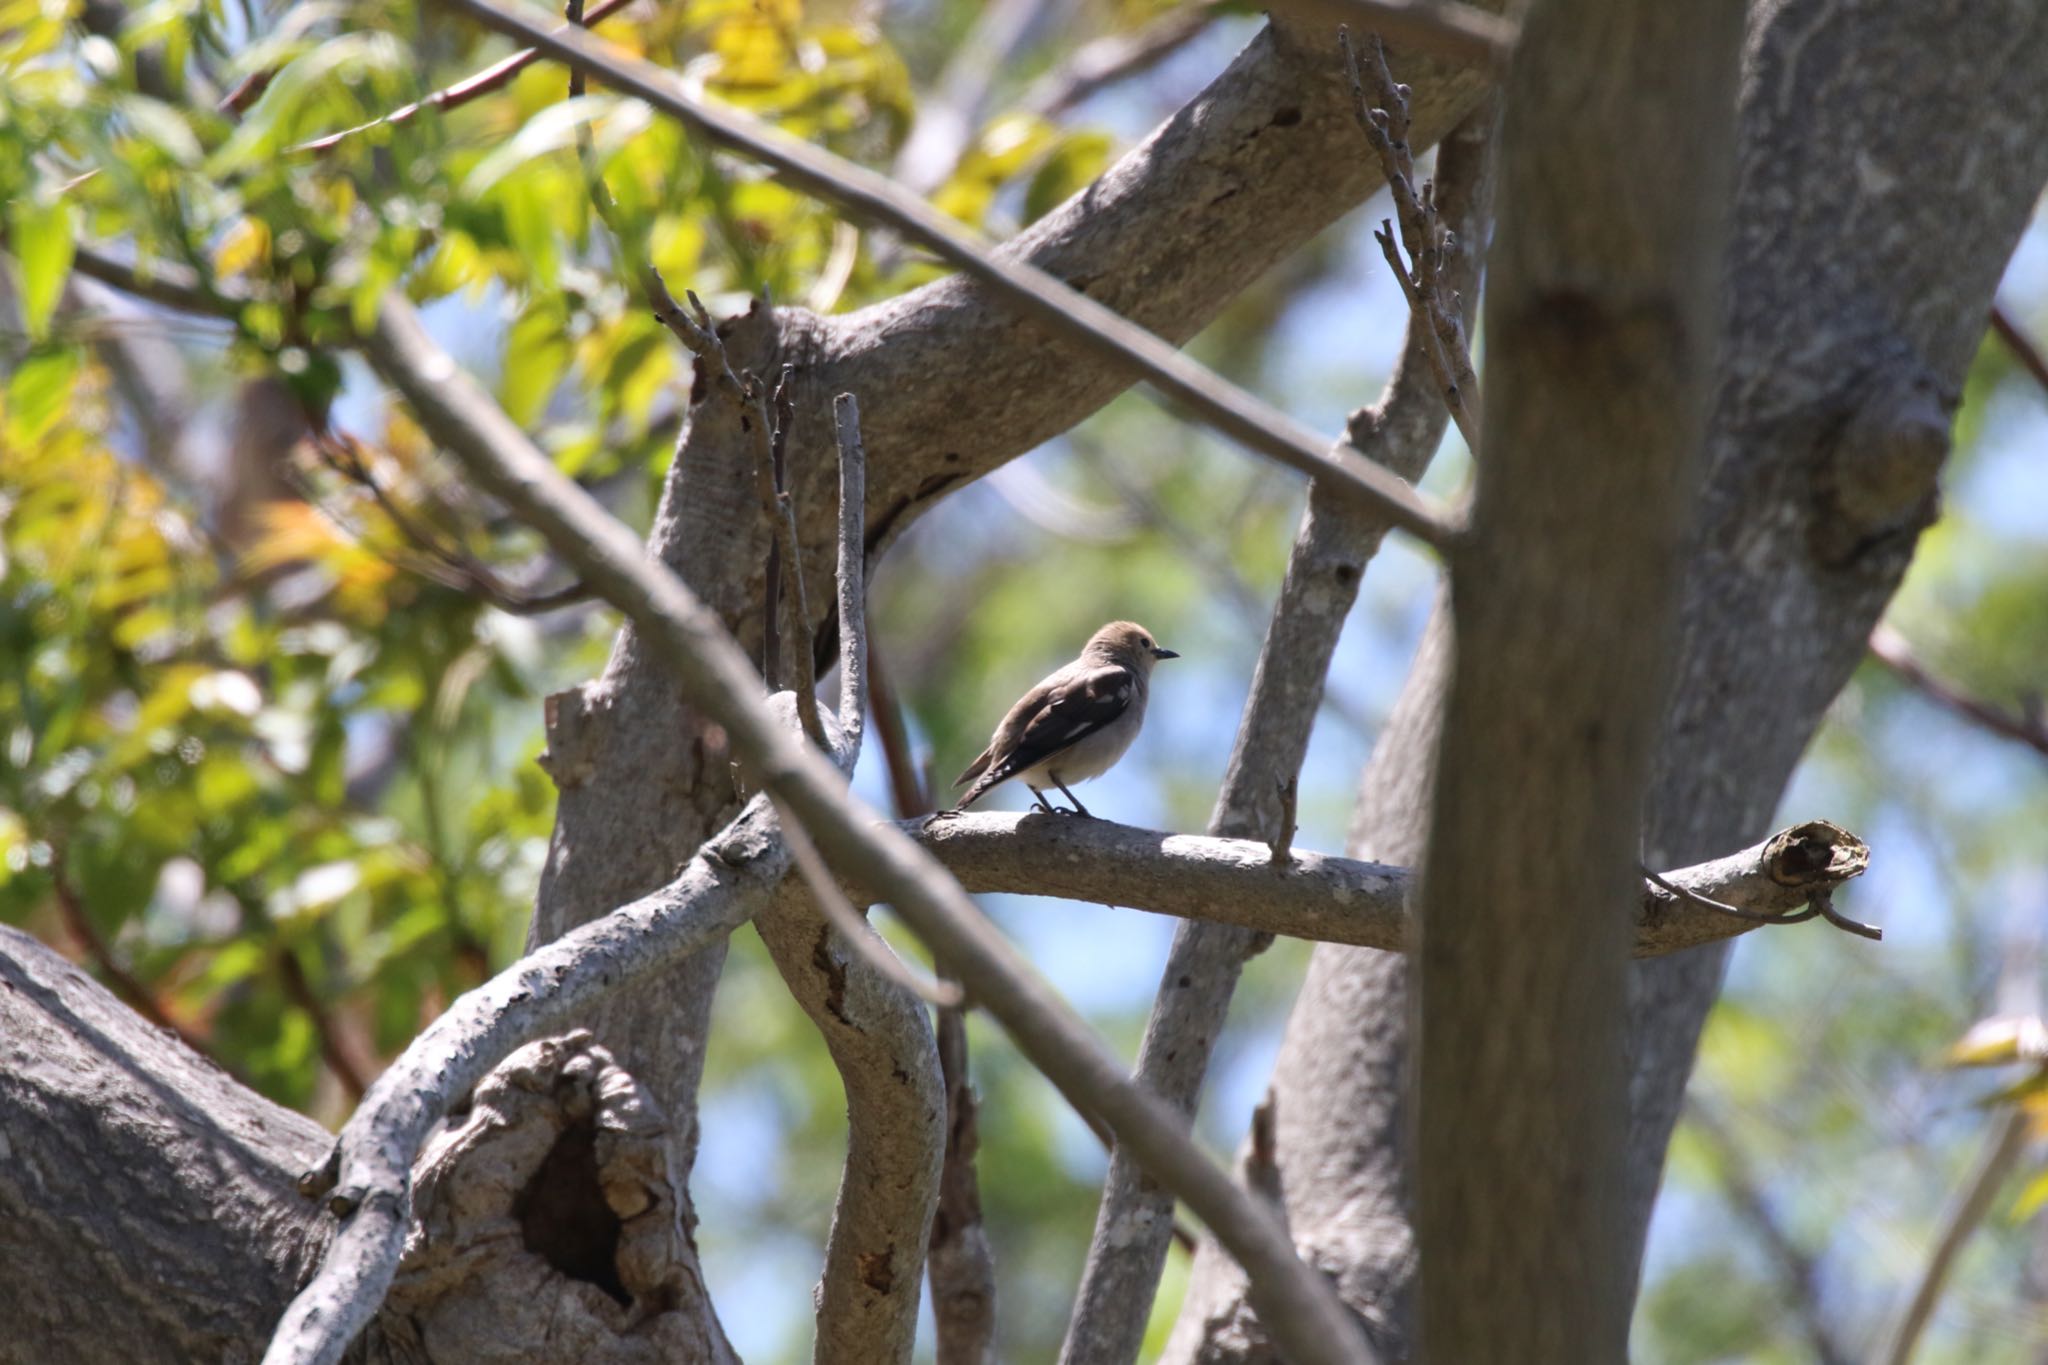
column 1078, row 807
column 1038, row 802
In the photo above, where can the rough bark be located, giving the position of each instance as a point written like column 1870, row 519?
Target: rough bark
column 1856, row 297
column 147, row 1208
column 1617, row 133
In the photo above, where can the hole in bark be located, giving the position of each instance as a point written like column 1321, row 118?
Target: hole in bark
column 564, row 1218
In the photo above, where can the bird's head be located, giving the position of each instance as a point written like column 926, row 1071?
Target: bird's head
column 1129, row 644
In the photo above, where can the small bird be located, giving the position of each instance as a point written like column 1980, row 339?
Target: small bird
column 1076, row 723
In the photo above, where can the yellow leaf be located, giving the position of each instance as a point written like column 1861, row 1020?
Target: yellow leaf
column 288, row 531
column 244, row 249
column 2031, row 1198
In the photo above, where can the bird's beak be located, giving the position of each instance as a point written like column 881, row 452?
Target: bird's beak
column 1165, row 654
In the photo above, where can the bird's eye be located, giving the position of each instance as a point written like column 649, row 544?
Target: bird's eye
column 1146, row 642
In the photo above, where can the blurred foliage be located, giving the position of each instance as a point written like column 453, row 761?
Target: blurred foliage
column 266, row 751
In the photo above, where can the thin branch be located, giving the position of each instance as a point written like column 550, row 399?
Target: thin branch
column 441, row 561
column 496, row 76
column 1444, row 27
column 853, row 586
column 1966, row 1211
column 1300, row 1305
column 852, row 926
column 1282, row 842
column 2028, row 726
column 1105, row 61
column 78, row 920
column 1231, row 410
column 2020, row 344
column 780, row 514
column 1328, row 899
column 1381, row 106
column 864, row 1001
column 341, row 1059
column 961, row 1266
column 166, row 283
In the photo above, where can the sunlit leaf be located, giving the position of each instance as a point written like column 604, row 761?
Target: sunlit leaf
column 43, row 230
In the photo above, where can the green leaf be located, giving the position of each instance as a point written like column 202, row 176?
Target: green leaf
column 39, row 393
column 45, row 236
column 536, row 354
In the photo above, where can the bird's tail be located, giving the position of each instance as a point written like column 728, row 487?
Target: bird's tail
column 977, row 791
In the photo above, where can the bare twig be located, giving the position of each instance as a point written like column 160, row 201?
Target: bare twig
column 865, row 1003
column 1299, row 1305
column 780, row 513
column 1966, row 1211
column 1444, row 27
column 2028, row 726
column 1381, row 106
column 340, row 1057
column 439, row 560
column 1282, row 842
column 2020, row 344
column 493, row 77
column 78, row 920
column 854, row 681
column 1104, row 61
column 1229, row 409
column 961, row 1266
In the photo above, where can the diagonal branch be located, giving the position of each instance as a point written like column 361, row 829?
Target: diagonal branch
column 1445, row 27
column 2021, row 345
column 1232, row 411
column 712, row 673
column 2028, row 727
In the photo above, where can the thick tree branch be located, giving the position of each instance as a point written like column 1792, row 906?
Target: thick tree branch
column 1342, row 900
column 146, row 1203
column 1618, row 133
column 881, row 1043
column 1048, row 300
column 1324, row 570
column 714, row 674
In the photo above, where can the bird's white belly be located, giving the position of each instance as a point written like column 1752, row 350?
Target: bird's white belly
column 1091, row 757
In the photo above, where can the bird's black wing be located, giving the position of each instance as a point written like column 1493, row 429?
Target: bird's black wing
column 1068, row 714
